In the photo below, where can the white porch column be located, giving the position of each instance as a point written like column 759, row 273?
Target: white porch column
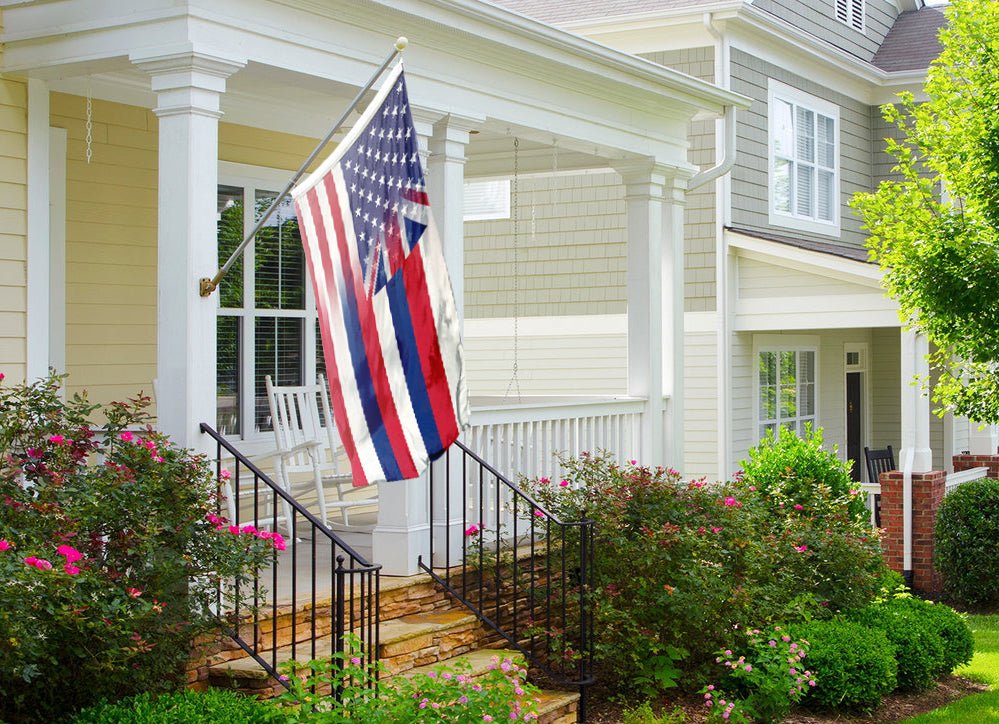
column 982, row 440
column 188, row 86
column 654, row 194
column 915, row 454
column 446, row 187
column 38, row 325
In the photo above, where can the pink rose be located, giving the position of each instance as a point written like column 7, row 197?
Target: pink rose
column 126, row 436
column 71, row 554
column 563, row 484
column 472, row 529
column 56, row 439
column 133, row 592
column 4, row 545
column 71, row 569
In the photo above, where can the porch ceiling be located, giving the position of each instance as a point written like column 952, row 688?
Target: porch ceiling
column 304, row 60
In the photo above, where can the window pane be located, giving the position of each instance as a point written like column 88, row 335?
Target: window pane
column 806, row 400
column 230, row 234
column 764, row 429
column 768, row 368
column 278, row 347
column 788, row 401
column 805, row 191
column 826, row 195
column 768, row 403
column 805, row 132
column 783, row 173
column 827, row 142
column 806, row 366
column 783, row 125
column 279, row 257
column 320, row 356
column 227, row 376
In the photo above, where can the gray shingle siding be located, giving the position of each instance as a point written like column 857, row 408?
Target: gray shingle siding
column 750, row 188
column 818, row 18
column 700, row 211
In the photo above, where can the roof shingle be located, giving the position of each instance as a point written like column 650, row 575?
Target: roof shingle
column 912, row 42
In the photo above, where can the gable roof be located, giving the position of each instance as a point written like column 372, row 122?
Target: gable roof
column 560, row 11
column 845, row 251
column 912, row 42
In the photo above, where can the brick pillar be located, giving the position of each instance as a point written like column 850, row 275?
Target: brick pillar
column 927, row 493
column 966, row 462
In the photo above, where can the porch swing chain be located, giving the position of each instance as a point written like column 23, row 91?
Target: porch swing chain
column 90, row 122
column 514, row 379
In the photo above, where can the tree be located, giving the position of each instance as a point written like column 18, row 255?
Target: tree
column 935, row 228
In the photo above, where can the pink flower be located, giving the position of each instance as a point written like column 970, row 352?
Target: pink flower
column 157, row 458
column 2, row 375
column 544, row 480
column 42, row 564
column 56, row 439
column 799, row 506
column 30, row 560
column 752, row 488
column 539, row 513
column 355, row 660
column 563, row 483
column 234, row 529
column 133, row 592
column 486, row 717
column 278, row 541
column 632, row 462
column 34, row 452
column 248, row 529
column 225, row 474
column 70, row 553
column 472, row 529
column 4, row 545
column 801, row 549
column 715, row 529
column 126, row 436
column 749, row 667
column 264, row 534
column 730, row 501
column 71, row 569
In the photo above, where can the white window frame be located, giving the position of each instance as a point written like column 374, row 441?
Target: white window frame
column 784, row 343
column 793, row 220
column 252, row 179
column 852, row 13
column 488, row 212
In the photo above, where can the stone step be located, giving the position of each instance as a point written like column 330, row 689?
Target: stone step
column 480, row 661
column 404, row 643
column 558, row 707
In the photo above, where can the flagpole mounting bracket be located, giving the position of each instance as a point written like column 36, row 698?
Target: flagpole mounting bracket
column 206, row 286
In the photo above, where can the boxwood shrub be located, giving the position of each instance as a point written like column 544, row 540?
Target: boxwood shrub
column 951, row 627
column 854, row 665
column 919, row 647
column 967, row 543
column 214, row 706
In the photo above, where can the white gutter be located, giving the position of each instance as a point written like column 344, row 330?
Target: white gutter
column 728, row 159
column 907, row 464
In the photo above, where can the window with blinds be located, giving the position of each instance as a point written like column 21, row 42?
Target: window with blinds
column 266, row 319
column 786, row 389
column 486, row 200
column 851, row 12
column 804, row 161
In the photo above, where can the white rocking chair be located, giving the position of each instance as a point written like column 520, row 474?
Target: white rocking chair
column 307, row 444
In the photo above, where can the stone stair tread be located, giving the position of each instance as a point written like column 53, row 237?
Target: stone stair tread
column 396, row 630
column 479, row 659
column 553, row 700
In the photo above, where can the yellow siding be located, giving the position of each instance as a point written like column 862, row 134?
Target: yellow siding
column 14, row 223
column 111, row 216
column 700, row 414
column 110, row 247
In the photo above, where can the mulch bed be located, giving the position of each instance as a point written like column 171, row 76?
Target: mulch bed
column 895, row 707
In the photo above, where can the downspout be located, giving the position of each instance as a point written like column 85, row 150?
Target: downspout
column 907, row 465
column 725, row 138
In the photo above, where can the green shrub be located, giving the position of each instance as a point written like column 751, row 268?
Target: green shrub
column 919, row 648
column 953, row 630
column 214, row 706
column 854, row 665
column 967, row 543
column 789, row 470
column 109, row 556
column 680, row 565
column 643, row 714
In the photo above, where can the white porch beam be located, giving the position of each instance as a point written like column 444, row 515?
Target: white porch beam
column 654, row 195
column 38, row 313
column 188, row 86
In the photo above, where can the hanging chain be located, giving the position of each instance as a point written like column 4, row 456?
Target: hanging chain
column 90, row 123
column 514, row 379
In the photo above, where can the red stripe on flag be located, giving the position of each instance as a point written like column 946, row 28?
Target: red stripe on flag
column 373, row 350
column 430, row 351
column 358, row 476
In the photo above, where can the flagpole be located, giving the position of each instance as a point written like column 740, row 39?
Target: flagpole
column 206, row 285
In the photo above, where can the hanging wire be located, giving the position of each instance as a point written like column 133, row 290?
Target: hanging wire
column 90, row 123
column 514, row 379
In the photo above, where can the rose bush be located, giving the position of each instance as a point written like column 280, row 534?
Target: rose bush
column 111, row 553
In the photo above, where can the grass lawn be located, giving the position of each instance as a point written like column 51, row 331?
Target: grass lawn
column 984, row 668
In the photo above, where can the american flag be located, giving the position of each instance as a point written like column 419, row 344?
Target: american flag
column 390, row 329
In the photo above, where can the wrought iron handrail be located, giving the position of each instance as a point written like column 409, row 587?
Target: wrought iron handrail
column 352, row 587
column 522, row 571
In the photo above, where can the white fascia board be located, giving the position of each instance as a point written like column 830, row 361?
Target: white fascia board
column 805, row 260
column 825, row 319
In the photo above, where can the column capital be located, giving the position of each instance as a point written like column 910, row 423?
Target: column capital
column 649, row 178
column 186, row 80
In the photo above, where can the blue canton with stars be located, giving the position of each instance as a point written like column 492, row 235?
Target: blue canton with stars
column 387, row 191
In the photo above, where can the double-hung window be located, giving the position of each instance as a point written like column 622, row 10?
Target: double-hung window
column 804, row 161
column 266, row 318
column 786, row 389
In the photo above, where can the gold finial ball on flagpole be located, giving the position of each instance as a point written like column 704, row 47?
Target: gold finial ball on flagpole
column 401, row 42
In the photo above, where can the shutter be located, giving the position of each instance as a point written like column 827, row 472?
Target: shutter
column 857, row 15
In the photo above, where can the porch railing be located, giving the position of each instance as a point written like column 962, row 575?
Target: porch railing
column 523, row 438
column 520, row 569
column 317, row 572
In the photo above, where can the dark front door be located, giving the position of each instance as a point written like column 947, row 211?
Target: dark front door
column 853, row 424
